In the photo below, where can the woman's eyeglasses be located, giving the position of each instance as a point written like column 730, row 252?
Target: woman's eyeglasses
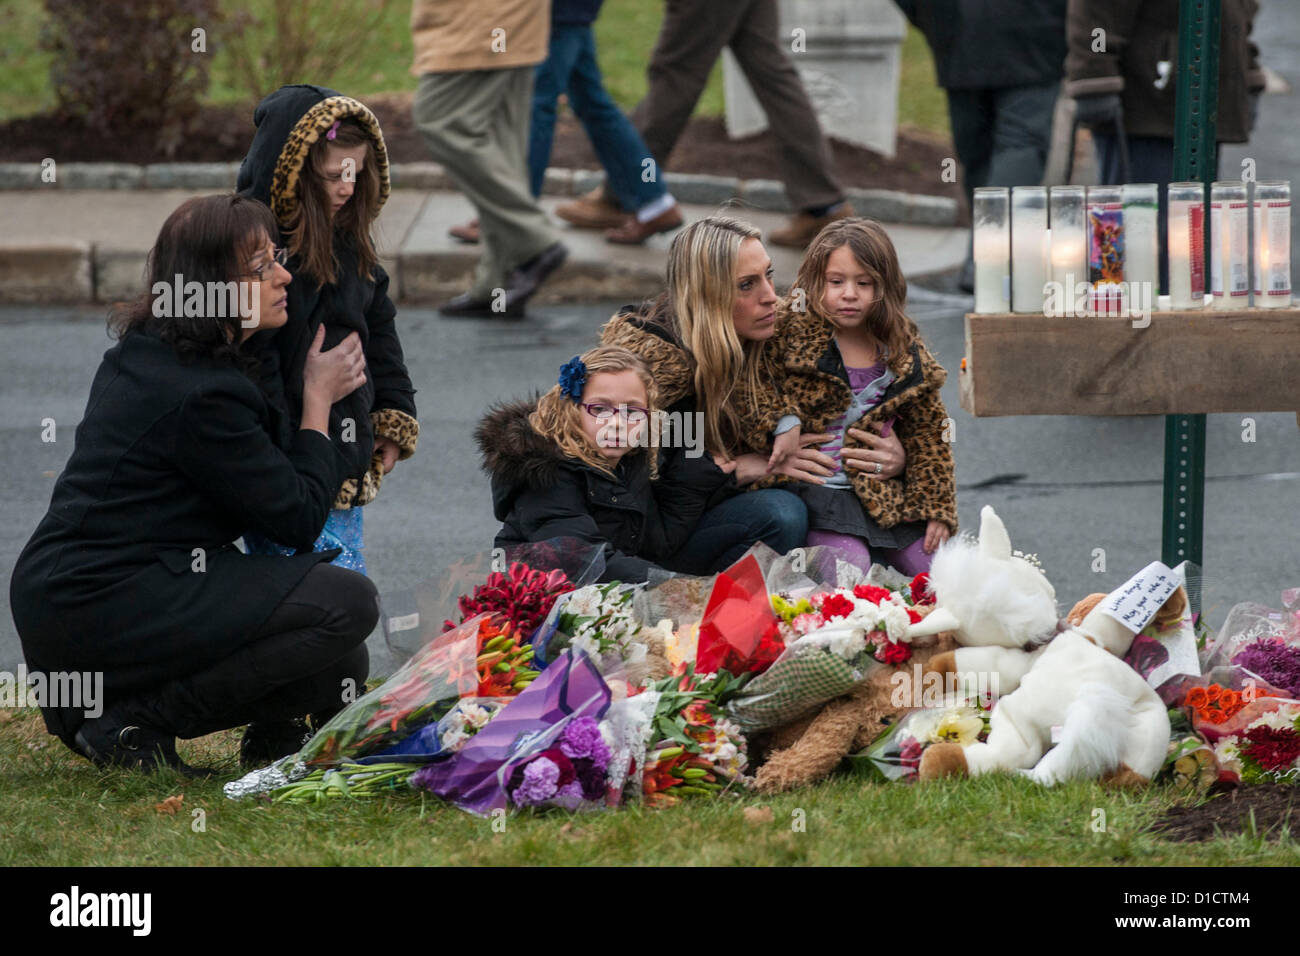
column 633, row 414
column 278, row 256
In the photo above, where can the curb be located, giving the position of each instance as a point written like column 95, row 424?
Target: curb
column 693, row 188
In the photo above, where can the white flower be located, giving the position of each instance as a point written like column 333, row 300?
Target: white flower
column 895, row 621
column 1227, row 752
column 584, row 602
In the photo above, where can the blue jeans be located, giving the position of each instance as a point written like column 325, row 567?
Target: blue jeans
column 777, row 518
column 571, row 68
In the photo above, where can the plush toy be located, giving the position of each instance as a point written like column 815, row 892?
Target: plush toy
column 1068, row 705
column 807, row 750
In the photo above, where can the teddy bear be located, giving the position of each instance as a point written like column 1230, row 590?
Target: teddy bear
column 808, row 749
column 1068, row 705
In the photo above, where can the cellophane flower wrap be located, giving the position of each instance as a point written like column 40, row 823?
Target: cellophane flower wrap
column 488, row 772
column 481, row 658
column 832, row 641
column 486, row 582
column 896, row 754
column 1264, row 641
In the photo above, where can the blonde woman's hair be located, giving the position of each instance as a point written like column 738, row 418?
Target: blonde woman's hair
column 702, row 294
column 559, row 418
column 867, row 240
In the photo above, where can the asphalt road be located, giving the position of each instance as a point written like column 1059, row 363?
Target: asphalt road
column 1065, row 486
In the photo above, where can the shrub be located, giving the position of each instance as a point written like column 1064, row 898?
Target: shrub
column 130, row 66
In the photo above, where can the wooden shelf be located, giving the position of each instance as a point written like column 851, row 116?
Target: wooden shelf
column 1183, row 363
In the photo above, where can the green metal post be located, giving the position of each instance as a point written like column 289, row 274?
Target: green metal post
column 1195, row 119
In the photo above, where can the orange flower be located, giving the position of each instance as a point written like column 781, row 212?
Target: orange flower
column 1196, row 697
column 1214, row 691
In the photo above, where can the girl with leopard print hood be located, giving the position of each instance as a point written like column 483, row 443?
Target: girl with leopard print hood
column 848, row 359
column 318, row 160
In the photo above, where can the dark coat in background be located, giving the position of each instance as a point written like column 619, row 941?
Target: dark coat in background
column 289, row 121
column 169, row 458
column 539, row 493
column 1141, row 35
column 992, row 44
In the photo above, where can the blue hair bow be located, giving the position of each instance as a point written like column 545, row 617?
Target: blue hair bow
column 573, row 378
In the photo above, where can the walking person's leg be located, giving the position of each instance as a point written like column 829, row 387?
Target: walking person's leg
column 805, row 153
column 630, row 170
column 691, row 38
column 465, row 120
column 970, row 116
column 551, row 78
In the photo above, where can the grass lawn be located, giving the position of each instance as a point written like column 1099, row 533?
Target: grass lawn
column 625, row 35
column 60, row 811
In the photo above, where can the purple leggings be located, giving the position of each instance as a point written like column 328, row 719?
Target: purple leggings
column 911, row 560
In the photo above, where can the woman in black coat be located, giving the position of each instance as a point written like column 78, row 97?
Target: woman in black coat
column 133, row 574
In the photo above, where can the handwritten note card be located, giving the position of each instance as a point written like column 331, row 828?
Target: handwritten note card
column 1136, row 603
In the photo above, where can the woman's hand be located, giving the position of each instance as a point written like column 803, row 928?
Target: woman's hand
column 936, row 533
column 806, row 464
column 328, row 377
column 886, row 451
column 784, row 448
column 728, row 465
column 336, row 374
column 390, row 451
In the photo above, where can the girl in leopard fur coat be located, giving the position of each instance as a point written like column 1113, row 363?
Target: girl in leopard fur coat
column 847, row 357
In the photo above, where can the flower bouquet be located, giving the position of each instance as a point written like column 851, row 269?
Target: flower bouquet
column 487, row 581
column 1260, row 743
column 481, row 658
column 481, row 777
column 896, row 753
column 694, row 749
column 1264, row 641
column 832, row 641
column 599, row 620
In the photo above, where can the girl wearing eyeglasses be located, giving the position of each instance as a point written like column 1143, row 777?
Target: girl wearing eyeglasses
column 318, row 160
column 581, row 462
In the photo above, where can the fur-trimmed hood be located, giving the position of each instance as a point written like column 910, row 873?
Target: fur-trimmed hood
column 513, row 453
column 289, row 122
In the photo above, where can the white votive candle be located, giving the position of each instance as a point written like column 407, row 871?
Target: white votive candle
column 991, row 219
column 1028, row 245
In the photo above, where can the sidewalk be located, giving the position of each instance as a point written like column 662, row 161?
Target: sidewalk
column 71, row 246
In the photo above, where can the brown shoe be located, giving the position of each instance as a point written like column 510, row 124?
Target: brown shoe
column 592, row 211
column 466, row 232
column 802, row 228
column 633, row 232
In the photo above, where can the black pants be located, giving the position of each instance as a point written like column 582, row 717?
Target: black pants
column 305, row 659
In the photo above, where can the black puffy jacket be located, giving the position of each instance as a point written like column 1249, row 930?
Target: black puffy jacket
column 992, row 44
column 288, row 122
column 539, row 493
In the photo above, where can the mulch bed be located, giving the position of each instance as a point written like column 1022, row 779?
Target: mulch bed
column 222, row 134
column 1275, row 805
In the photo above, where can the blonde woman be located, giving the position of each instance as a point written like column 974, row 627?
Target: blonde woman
column 580, row 462
column 706, row 341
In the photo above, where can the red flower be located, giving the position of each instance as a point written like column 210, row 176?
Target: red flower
column 895, row 653
column 871, row 593
column 921, row 593
column 1272, row 749
column 568, row 773
column 836, row 605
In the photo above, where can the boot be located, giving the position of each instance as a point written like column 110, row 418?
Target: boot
column 117, row 739
column 267, row 741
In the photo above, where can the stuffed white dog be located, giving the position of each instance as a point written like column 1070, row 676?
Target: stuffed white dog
column 1059, row 685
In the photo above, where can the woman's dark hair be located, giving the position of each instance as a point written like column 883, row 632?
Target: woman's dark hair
column 208, row 240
